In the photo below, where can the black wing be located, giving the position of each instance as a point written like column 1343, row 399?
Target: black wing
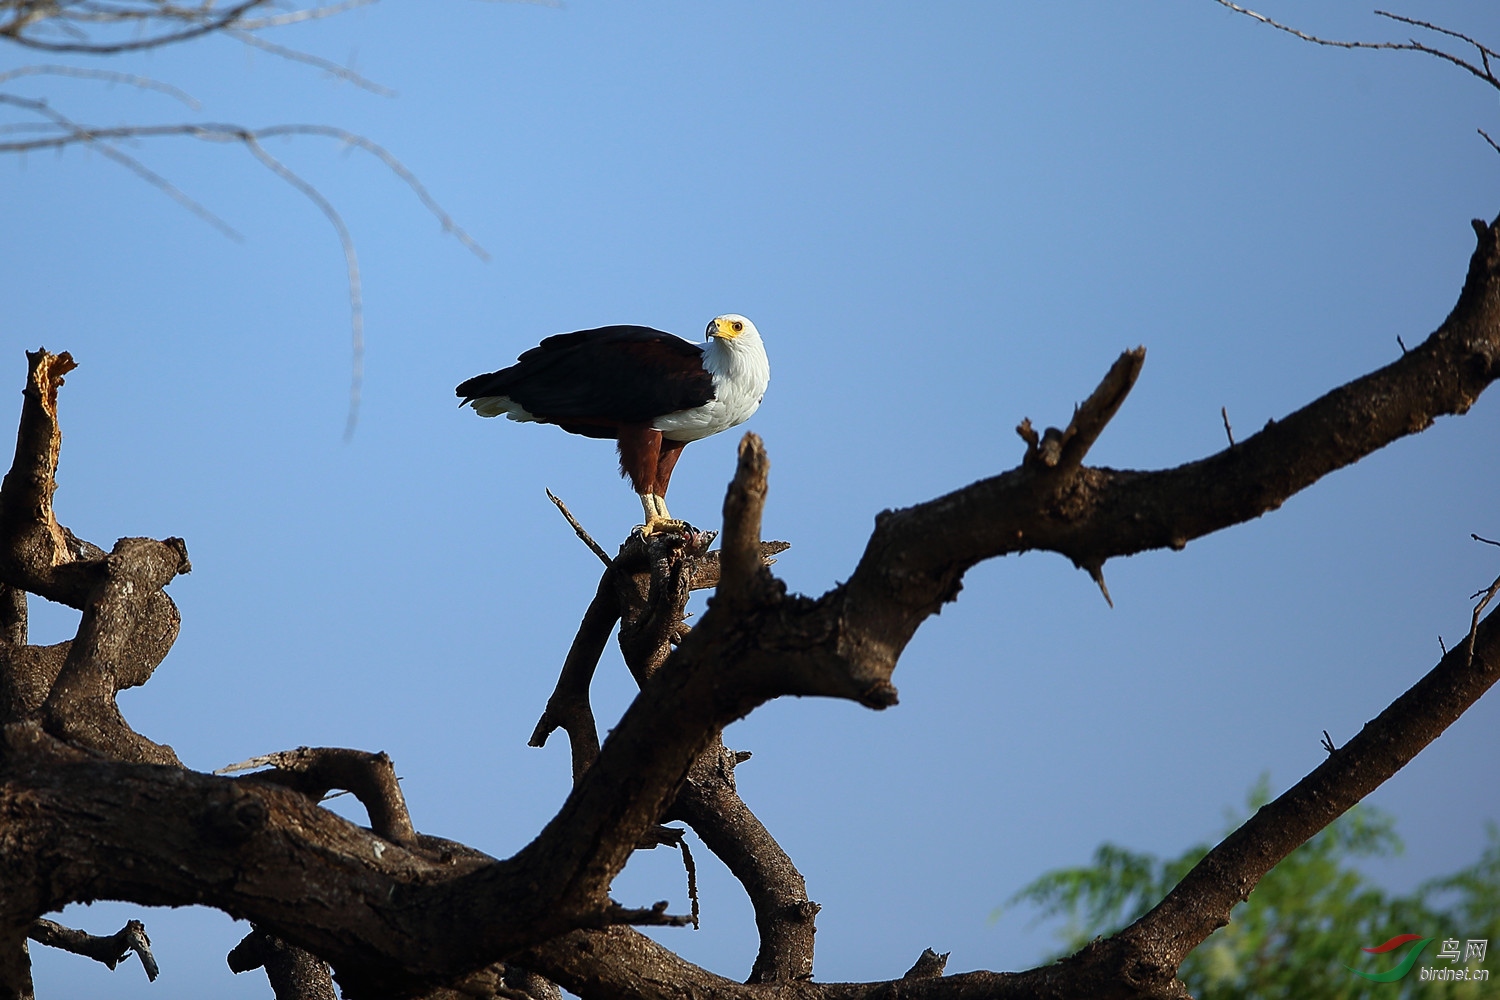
column 613, row 375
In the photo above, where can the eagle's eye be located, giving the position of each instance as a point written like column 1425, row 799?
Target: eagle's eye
column 738, row 326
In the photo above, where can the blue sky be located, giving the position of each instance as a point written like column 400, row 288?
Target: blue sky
column 943, row 218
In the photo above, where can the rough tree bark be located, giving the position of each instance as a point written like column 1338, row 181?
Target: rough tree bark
column 89, row 809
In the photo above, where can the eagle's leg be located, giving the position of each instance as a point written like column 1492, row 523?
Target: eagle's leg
column 642, row 453
column 666, row 460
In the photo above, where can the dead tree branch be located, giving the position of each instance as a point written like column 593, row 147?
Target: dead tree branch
column 27, row 22
column 784, row 916
column 130, row 25
column 128, row 623
column 1201, row 902
column 84, row 819
column 110, row 950
column 1482, row 71
column 569, row 707
column 578, row 529
column 315, row 771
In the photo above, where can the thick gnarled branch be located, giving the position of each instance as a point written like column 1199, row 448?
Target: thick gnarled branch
column 646, row 588
column 395, row 921
column 128, row 623
column 81, row 705
column 369, row 777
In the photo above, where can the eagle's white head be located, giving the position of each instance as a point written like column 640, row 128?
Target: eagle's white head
column 737, row 358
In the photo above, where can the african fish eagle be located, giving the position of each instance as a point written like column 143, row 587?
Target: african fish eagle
column 650, row 391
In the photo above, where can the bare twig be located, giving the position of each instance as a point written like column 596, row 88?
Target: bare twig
column 1228, row 431
column 107, row 76
column 1483, row 71
column 351, row 263
column 345, row 73
column 72, row 133
column 110, row 950
column 298, row 16
column 671, row 836
column 578, row 529
column 219, row 132
column 1484, row 53
column 654, row 916
column 1096, row 573
column 1489, row 595
column 110, row 151
column 203, row 20
column 692, row 879
column 392, row 164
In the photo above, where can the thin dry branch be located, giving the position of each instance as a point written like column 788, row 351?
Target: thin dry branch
column 1485, row 597
column 1202, row 901
column 299, row 16
column 1095, row 413
column 156, row 23
column 351, row 264
column 107, row 76
column 201, row 21
column 1482, row 71
column 108, row 149
column 72, row 133
column 142, row 15
column 649, row 916
column 110, row 950
column 579, row 530
column 247, row 36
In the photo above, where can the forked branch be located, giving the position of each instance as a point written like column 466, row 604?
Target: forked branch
column 395, row 921
column 110, row 950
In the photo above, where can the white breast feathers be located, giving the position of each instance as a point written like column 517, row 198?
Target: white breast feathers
column 736, row 358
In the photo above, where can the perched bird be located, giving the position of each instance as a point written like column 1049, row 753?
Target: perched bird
column 648, row 390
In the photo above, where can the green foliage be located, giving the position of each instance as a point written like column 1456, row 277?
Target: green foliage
column 1306, row 922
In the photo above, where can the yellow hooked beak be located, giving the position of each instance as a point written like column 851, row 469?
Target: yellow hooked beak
column 725, row 329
